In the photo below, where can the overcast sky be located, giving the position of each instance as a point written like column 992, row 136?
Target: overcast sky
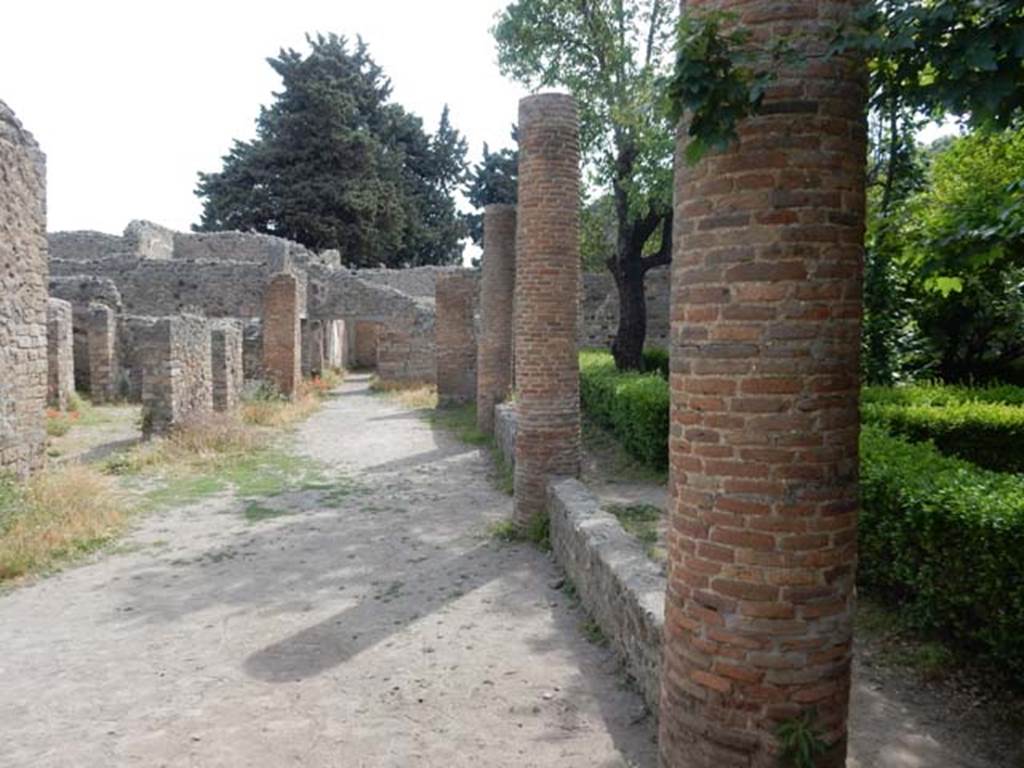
column 130, row 99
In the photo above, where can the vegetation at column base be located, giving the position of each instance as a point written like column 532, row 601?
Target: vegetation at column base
column 656, row 360
column 635, row 406
column 801, row 741
column 263, row 405
column 418, row 395
column 942, row 538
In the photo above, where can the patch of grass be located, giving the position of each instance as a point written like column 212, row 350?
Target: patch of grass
column 593, row 632
column 506, row 530
column 59, row 423
column 461, row 420
column 263, row 406
column 413, row 395
column 538, row 531
column 257, row 513
column 639, row 520
column 57, row 515
column 504, row 477
column 801, row 741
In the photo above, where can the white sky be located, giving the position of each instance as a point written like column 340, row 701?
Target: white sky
column 130, row 98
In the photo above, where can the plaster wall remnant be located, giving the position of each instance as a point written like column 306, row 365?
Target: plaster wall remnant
column 335, row 352
column 767, row 262
column 456, row 338
column 282, row 341
column 60, row 354
column 497, row 293
column 177, row 381
column 547, row 293
column 23, row 280
column 101, row 342
column 226, row 364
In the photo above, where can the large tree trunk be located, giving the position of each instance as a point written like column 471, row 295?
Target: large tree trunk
column 628, row 346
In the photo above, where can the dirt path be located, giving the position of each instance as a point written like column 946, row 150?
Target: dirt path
column 384, row 629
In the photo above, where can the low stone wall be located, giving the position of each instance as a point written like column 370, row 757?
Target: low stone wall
column 60, row 353
column 226, row 364
column 177, row 377
column 616, row 582
column 505, row 432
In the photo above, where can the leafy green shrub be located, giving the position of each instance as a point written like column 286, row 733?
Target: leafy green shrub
column 988, row 434
column 934, row 393
column 943, row 538
column 635, row 406
column 656, row 359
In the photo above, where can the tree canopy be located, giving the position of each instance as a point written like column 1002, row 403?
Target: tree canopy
column 495, row 179
column 336, row 164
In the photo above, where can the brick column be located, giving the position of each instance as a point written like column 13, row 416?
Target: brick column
column 456, row 338
column 60, row 353
column 497, row 289
column 282, row 347
column 768, row 248
column 102, row 343
column 547, row 291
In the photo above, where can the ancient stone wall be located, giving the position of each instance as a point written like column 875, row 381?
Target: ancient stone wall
column 177, row 381
column 81, row 291
column 132, row 331
column 60, row 354
column 768, row 247
column 547, row 293
column 85, row 245
column 418, row 282
column 282, row 339
column 226, row 363
column 406, row 352
column 170, row 287
column 497, row 292
column 23, row 281
column 455, row 337
column 101, row 343
column 364, row 345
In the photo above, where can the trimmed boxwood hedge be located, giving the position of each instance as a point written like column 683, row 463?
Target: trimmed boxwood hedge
column 943, row 539
column 634, row 406
column 942, row 394
column 990, row 434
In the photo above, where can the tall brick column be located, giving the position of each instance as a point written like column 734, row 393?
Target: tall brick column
column 282, row 345
column 765, row 340
column 456, row 337
column 547, row 292
column 497, row 289
column 102, row 345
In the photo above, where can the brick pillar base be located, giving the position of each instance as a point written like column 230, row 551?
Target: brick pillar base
column 497, row 289
column 282, row 345
column 547, row 291
column 456, row 338
column 768, row 247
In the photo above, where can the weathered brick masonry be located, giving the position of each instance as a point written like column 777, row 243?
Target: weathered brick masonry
column 547, row 293
column 60, row 353
column 456, row 338
column 282, row 350
column 497, row 293
column 176, row 372
column 23, row 281
column 765, row 336
column 226, row 363
column 101, row 342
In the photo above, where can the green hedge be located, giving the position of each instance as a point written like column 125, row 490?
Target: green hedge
column 943, row 539
column 942, row 394
column 632, row 405
column 990, row 434
column 656, row 360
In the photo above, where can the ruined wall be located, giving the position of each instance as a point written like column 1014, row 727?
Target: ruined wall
column 149, row 240
column 226, row 363
column 132, row 331
column 177, row 378
column 364, row 346
column 170, row 287
column 60, row 354
column 419, row 282
column 85, row 245
column 81, row 291
column 600, row 318
column 23, row 282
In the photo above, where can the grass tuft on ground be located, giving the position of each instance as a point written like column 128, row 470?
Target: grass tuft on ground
column 264, row 406
column 58, row 514
column 407, row 394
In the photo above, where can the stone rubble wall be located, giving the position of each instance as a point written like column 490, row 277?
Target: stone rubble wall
column 132, row 330
column 81, row 291
column 60, row 354
column 226, row 364
column 620, row 587
column 177, row 380
column 101, row 342
column 23, row 282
